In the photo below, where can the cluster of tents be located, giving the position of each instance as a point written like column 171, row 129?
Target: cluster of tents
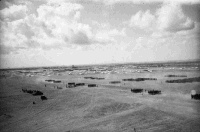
column 185, row 80
column 194, row 95
column 35, row 93
column 97, row 78
column 151, row 92
column 53, row 81
column 139, row 79
column 73, row 84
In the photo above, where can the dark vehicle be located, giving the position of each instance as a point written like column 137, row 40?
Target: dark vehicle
column 56, row 81
column 71, row 85
column 114, row 82
column 80, row 84
column 137, row 90
column 33, row 92
column 92, row 85
column 49, row 80
column 154, row 92
column 196, row 96
column 43, row 97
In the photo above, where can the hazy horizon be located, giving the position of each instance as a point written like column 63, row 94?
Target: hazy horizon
column 36, row 33
column 100, row 64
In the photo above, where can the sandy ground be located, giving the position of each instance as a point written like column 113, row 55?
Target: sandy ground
column 104, row 108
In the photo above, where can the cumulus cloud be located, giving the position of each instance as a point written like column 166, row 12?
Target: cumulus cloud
column 11, row 37
column 172, row 32
column 169, row 17
column 50, row 29
column 13, row 12
column 77, row 15
column 80, row 38
column 107, row 35
column 110, row 2
column 60, row 10
column 115, row 32
column 55, row 25
column 142, row 20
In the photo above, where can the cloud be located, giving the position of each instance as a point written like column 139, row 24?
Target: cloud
column 170, row 45
column 107, row 35
column 169, row 18
column 142, row 20
column 77, row 15
column 13, row 12
column 50, row 29
column 173, row 34
column 56, row 9
column 80, row 38
column 56, row 25
column 11, row 37
column 110, row 2
column 7, row 50
column 115, row 32
column 105, row 32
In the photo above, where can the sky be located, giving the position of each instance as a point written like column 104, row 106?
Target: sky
column 75, row 32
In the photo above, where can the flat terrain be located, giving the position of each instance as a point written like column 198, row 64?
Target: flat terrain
column 106, row 108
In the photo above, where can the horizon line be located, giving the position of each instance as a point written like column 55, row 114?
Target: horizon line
column 142, row 62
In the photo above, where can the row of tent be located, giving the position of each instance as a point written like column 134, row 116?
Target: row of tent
column 151, row 92
column 35, row 93
column 73, row 84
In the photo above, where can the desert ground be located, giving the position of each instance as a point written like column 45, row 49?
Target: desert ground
column 107, row 107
